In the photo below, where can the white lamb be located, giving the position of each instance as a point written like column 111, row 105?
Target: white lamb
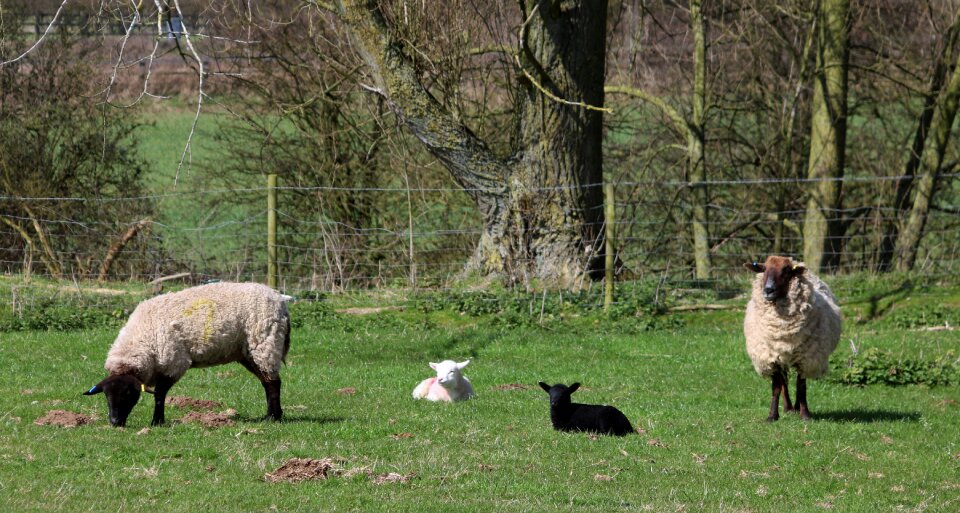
column 197, row 327
column 792, row 320
column 449, row 384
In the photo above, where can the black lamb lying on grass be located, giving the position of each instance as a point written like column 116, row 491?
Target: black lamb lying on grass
column 595, row 418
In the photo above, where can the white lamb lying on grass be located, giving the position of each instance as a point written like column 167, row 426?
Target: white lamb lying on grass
column 448, row 385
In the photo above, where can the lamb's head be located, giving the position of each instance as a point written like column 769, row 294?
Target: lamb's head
column 778, row 272
column 122, row 391
column 559, row 393
column 449, row 372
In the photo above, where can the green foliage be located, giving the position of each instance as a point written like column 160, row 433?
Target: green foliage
column 636, row 308
column 312, row 313
column 923, row 315
column 878, row 367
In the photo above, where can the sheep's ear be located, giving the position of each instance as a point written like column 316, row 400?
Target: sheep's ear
column 461, row 365
column 143, row 388
column 95, row 389
column 573, row 388
column 434, row 365
column 544, row 386
column 756, row 267
column 798, row 269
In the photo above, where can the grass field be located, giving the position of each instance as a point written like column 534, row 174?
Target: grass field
column 687, row 386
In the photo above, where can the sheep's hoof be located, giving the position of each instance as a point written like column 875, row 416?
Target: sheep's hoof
column 773, row 418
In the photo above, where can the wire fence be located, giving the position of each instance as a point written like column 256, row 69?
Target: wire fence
column 222, row 234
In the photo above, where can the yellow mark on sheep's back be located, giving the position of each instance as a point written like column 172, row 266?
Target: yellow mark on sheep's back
column 207, row 308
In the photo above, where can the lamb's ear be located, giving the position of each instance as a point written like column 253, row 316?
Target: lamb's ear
column 756, row 267
column 573, row 388
column 461, row 365
column 798, row 269
column 95, row 389
column 545, row 386
column 434, row 365
column 143, row 388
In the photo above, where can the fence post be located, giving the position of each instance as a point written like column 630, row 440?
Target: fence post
column 272, row 230
column 609, row 234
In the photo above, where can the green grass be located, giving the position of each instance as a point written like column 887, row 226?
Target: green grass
column 691, row 389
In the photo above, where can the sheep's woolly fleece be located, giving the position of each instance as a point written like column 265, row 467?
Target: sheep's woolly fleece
column 202, row 326
column 801, row 330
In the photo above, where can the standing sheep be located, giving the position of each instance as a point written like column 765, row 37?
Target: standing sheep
column 449, row 385
column 566, row 415
column 197, row 327
column 792, row 320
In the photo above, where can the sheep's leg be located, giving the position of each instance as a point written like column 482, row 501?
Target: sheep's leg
column 271, row 386
column 802, row 398
column 776, row 388
column 160, row 390
column 785, row 379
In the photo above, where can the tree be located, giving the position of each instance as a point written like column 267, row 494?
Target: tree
column 823, row 226
column 931, row 163
column 63, row 157
column 540, row 205
column 917, row 157
column 692, row 129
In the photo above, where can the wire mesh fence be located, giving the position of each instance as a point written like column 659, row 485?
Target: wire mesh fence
column 222, row 234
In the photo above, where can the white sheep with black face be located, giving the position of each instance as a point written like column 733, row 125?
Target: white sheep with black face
column 792, row 321
column 448, row 385
column 197, row 327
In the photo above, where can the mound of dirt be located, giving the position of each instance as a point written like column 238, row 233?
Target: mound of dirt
column 210, row 419
column 180, row 401
column 302, row 469
column 63, row 418
column 393, row 477
column 511, row 386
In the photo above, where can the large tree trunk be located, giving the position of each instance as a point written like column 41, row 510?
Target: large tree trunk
column 823, row 226
column 946, row 111
column 541, row 207
column 905, row 184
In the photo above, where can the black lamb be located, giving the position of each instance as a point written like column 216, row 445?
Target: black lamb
column 595, row 418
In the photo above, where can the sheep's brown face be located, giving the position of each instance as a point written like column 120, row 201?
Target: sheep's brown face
column 123, row 392
column 777, row 274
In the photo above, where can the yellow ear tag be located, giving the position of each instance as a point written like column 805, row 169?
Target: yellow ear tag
column 795, row 267
column 143, row 388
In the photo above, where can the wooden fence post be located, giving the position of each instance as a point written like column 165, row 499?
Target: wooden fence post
column 609, row 234
column 272, row 230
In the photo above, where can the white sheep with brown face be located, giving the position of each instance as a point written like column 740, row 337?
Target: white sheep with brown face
column 448, row 385
column 197, row 327
column 792, row 321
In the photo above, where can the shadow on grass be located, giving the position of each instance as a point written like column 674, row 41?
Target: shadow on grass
column 867, row 416
column 293, row 419
column 875, row 308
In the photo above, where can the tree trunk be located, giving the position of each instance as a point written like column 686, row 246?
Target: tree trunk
column 823, row 227
column 905, row 183
column 908, row 241
column 541, row 207
column 695, row 145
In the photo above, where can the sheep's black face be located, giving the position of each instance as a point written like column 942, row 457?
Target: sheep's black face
column 559, row 393
column 777, row 274
column 123, row 392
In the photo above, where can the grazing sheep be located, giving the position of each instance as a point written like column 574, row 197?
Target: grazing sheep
column 569, row 416
column 792, row 320
column 449, row 384
column 197, row 327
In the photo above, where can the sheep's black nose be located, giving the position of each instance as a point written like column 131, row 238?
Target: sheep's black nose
column 770, row 292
